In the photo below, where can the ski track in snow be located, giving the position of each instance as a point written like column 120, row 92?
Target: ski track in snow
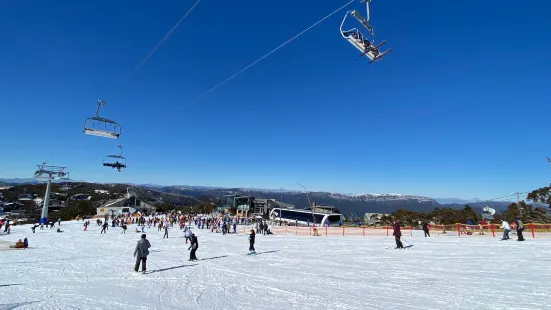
column 87, row 270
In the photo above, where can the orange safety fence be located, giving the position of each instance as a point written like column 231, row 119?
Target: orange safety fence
column 462, row 230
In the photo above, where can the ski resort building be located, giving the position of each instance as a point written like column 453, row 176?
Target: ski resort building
column 126, row 204
column 248, row 205
column 373, row 218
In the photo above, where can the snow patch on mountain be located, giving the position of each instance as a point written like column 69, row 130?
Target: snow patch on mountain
column 381, row 197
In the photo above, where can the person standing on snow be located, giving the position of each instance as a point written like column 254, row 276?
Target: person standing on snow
column 506, row 229
column 193, row 247
column 520, row 229
column 188, row 233
column 426, row 229
column 104, row 228
column 397, row 234
column 141, row 252
column 166, row 231
column 251, row 242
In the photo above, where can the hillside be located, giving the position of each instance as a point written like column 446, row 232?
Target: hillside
column 347, row 204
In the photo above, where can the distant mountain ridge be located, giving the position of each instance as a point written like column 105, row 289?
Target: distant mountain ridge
column 346, row 203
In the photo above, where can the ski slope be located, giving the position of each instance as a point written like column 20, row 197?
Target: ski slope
column 85, row 270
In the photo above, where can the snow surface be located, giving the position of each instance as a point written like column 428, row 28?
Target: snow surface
column 85, row 270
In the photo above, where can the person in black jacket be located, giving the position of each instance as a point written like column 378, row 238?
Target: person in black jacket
column 104, row 228
column 193, row 247
column 251, row 242
column 397, row 234
column 426, row 229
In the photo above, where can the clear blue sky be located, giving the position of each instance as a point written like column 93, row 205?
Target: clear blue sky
column 460, row 108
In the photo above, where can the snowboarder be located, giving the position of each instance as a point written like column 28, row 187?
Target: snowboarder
column 397, row 234
column 34, row 227
column 506, row 229
column 141, row 252
column 193, row 247
column 520, row 229
column 426, row 229
column 251, row 242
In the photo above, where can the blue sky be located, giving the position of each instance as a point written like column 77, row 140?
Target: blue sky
column 460, row 108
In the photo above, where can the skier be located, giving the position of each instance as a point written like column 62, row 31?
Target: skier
column 104, row 227
column 34, row 227
column 193, row 247
column 59, row 221
column 426, row 229
column 506, row 229
column 187, row 233
column 520, row 229
column 166, row 231
column 141, row 252
column 124, row 227
column 397, row 234
column 251, row 243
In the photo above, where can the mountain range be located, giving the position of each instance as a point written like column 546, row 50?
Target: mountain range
column 346, row 203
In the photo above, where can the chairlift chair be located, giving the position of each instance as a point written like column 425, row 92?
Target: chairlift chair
column 360, row 41
column 101, row 127
column 115, row 161
column 65, row 177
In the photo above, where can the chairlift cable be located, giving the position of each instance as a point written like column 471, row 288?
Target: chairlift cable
column 271, row 52
column 167, row 35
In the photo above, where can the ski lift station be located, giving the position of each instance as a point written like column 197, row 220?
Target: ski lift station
column 124, row 205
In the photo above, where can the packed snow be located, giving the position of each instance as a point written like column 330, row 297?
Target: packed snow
column 87, row 270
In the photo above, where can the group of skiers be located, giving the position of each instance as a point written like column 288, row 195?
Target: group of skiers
column 142, row 248
column 507, row 228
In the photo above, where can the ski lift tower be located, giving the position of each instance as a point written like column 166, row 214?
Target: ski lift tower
column 48, row 173
column 311, row 205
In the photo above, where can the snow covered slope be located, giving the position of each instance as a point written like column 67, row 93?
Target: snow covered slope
column 86, row 270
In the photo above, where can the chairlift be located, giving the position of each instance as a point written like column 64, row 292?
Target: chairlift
column 488, row 210
column 361, row 42
column 64, row 177
column 101, row 127
column 115, row 161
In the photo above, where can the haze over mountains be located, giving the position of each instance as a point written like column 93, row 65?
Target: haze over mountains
column 347, row 203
